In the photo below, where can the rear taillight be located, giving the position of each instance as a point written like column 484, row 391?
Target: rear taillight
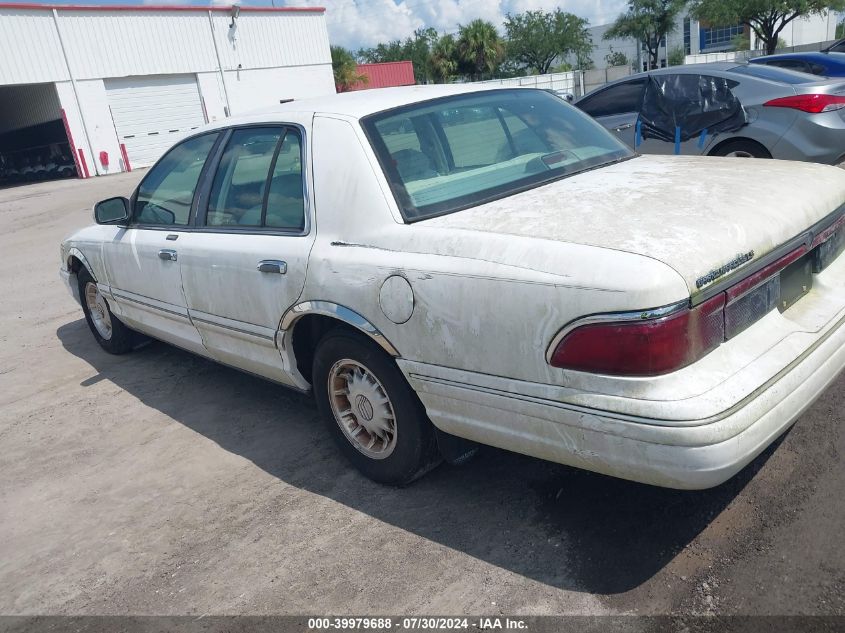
column 645, row 347
column 649, row 344
column 813, row 104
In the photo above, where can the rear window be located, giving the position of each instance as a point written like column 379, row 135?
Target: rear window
column 444, row 155
column 775, row 74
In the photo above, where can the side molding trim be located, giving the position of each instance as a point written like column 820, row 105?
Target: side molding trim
column 341, row 313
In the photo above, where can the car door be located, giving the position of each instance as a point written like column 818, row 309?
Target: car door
column 617, row 107
column 246, row 260
column 142, row 259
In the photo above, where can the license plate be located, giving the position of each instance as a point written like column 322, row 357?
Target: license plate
column 796, row 280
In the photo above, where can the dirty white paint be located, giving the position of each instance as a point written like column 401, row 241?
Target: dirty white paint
column 472, row 300
column 396, row 299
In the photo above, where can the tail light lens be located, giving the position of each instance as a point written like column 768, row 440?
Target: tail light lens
column 630, row 345
column 813, row 104
column 645, row 347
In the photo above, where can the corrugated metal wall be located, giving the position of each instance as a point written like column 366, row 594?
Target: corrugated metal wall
column 386, row 74
column 267, row 40
column 122, row 43
column 22, row 106
column 29, row 48
column 119, row 43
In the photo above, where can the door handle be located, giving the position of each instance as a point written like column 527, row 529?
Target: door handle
column 167, row 255
column 623, row 127
column 272, row 266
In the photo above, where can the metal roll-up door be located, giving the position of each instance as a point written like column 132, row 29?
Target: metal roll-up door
column 151, row 113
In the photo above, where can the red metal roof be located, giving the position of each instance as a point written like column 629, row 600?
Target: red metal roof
column 386, row 75
column 152, row 7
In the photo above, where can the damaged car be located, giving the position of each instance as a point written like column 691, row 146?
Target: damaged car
column 725, row 109
column 448, row 266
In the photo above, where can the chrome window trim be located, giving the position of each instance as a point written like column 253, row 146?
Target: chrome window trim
column 614, row 317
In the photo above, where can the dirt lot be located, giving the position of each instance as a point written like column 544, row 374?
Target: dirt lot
column 161, row 483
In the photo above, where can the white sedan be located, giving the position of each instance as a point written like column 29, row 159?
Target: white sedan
column 446, row 266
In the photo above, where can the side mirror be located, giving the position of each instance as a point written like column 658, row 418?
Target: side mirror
column 111, row 211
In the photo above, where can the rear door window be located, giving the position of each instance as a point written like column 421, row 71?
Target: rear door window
column 618, row 99
column 258, row 182
column 237, row 195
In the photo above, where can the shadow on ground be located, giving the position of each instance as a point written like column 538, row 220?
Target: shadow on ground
column 567, row 528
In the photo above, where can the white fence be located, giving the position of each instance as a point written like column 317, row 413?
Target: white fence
column 570, row 81
column 577, row 82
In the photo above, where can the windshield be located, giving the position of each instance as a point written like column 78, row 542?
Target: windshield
column 773, row 73
column 448, row 154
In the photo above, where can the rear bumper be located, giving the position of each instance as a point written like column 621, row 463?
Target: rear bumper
column 819, row 138
column 693, row 456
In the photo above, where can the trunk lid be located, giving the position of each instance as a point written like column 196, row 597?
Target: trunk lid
column 695, row 214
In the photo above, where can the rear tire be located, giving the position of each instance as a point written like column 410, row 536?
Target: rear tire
column 375, row 417
column 742, row 148
column 112, row 335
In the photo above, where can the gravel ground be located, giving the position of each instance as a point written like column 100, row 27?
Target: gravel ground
column 161, row 483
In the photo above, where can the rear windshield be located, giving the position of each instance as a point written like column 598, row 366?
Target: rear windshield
column 773, row 73
column 448, row 154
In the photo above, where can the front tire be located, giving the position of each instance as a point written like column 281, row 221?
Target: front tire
column 373, row 414
column 112, row 335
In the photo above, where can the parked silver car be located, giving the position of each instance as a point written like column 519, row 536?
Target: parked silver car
column 763, row 112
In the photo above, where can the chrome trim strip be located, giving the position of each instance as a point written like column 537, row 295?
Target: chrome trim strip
column 805, row 238
column 613, row 317
column 205, row 321
column 342, row 313
column 121, row 296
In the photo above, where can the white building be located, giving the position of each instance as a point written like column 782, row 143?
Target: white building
column 110, row 88
column 694, row 38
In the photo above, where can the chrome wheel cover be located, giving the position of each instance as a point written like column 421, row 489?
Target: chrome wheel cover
column 362, row 408
column 740, row 154
column 98, row 309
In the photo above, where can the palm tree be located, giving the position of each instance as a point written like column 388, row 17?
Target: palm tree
column 444, row 60
column 480, row 48
column 345, row 69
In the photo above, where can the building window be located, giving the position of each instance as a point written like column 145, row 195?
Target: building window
column 719, row 36
column 687, row 47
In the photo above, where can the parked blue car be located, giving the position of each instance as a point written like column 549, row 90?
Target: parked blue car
column 824, row 64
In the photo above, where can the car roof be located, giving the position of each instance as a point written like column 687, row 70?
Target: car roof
column 693, row 68
column 360, row 103
column 838, row 58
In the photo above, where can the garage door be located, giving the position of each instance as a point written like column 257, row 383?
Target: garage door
column 151, row 113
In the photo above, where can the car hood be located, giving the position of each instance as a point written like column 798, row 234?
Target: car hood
column 695, row 214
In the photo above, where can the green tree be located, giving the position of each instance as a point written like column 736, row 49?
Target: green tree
column 416, row 49
column 741, row 42
column 676, row 57
column 840, row 30
column 444, row 59
column 767, row 18
column 536, row 38
column 345, row 69
column 648, row 22
column 617, row 58
column 480, row 49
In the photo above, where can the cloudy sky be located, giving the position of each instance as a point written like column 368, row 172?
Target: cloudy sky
column 356, row 23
